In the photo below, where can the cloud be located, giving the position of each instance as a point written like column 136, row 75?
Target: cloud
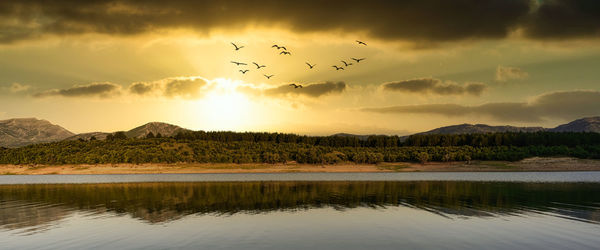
column 422, row 20
column 184, row 87
column 504, row 74
column 436, row 86
column 103, row 89
column 142, row 88
column 311, row 90
column 562, row 104
column 562, row 19
column 17, row 87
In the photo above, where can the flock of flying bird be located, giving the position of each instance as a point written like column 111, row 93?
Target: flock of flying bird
column 284, row 51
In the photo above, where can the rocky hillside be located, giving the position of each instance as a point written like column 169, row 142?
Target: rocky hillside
column 164, row 129
column 589, row 124
column 25, row 131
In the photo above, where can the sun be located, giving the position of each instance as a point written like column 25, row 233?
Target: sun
column 225, row 108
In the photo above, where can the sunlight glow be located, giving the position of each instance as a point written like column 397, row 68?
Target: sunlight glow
column 224, row 108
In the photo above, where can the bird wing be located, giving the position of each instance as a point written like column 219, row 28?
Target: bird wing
column 255, row 64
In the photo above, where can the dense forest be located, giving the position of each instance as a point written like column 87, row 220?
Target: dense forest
column 231, row 147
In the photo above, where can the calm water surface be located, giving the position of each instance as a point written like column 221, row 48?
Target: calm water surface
column 538, row 213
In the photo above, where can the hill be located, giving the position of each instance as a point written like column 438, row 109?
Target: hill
column 164, row 129
column 588, row 124
column 480, row 129
column 25, row 131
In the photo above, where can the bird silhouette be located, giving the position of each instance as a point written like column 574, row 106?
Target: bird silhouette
column 285, row 53
column 358, row 60
column 296, row 85
column 244, row 71
column 360, row 42
column 337, row 68
column 311, row 66
column 268, row 76
column 279, row 47
column 258, row 66
column 238, row 63
column 346, row 64
column 236, row 47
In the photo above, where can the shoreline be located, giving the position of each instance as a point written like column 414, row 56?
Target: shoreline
column 535, row 164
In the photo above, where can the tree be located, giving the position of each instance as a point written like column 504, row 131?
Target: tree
column 150, row 135
column 422, row 157
column 120, row 135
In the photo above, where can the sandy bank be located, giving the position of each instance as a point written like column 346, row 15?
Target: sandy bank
column 531, row 164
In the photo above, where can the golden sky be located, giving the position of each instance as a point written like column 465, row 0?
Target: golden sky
column 113, row 65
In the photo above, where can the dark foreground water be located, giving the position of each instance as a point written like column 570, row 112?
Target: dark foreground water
column 301, row 215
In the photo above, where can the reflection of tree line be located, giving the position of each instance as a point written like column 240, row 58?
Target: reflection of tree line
column 157, row 202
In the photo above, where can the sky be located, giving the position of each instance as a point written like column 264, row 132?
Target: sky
column 113, row 65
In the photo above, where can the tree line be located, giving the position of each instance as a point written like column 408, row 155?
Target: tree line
column 185, row 150
column 519, row 139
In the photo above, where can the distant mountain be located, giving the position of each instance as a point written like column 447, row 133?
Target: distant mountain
column 589, row 124
column 25, row 131
column 164, row 129
column 360, row 137
column 480, row 128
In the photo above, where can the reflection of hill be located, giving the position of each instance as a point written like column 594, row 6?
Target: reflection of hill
column 159, row 202
column 33, row 215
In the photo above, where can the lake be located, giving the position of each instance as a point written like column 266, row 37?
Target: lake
column 559, row 210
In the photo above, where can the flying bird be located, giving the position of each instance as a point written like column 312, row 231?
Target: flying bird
column 237, row 47
column 279, row 47
column 311, row 66
column 285, row 53
column 346, row 64
column 337, row 68
column 296, row 85
column 360, row 42
column 238, row 63
column 358, row 60
column 244, row 71
column 259, row 66
column 268, row 76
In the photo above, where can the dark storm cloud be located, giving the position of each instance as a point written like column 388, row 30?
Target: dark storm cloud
column 432, row 85
column 560, row 19
column 417, row 20
column 104, row 89
column 312, row 90
column 563, row 105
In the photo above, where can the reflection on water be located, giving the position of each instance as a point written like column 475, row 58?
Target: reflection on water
column 40, row 208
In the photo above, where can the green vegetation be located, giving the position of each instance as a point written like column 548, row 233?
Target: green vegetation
column 230, row 147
